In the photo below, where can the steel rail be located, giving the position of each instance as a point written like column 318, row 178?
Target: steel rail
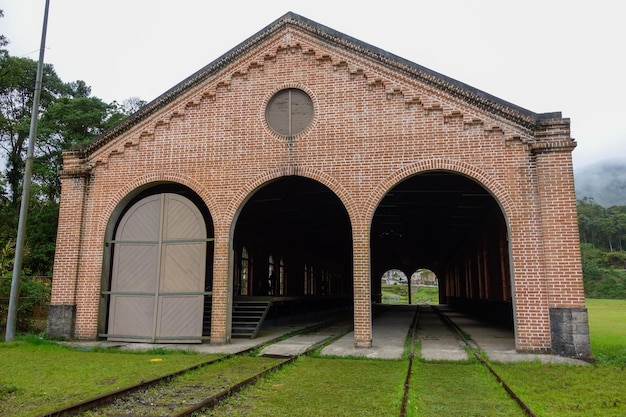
column 108, row 398
column 475, row 351
column 212, row 401
column 407, row 381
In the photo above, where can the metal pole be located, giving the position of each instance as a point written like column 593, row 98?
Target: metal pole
column 28, row 170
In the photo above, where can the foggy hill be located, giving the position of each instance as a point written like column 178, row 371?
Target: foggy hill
column 604, row 181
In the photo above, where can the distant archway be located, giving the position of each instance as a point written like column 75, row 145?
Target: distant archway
column 424, row 286
column 394, row 287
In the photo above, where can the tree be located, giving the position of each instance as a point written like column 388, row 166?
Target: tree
column 69, row 120
column 3, row 40
column 68, row 115
column 602, row 227
column 589, row 216
column 41, row 232
column 618, row 217
column 130, row 105
column 17, row 79
column 603, row 234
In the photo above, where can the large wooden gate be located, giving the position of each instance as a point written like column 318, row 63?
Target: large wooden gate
column 158, row 272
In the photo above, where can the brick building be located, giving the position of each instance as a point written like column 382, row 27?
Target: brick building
column 298, row 168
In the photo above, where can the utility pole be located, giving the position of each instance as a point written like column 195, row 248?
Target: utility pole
column 28, row 171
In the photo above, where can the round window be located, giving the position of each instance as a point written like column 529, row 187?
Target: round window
column 289, row 112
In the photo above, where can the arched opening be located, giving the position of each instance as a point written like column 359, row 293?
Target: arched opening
column 394, row 287
column 453, row 224
column 424, row 287
column 293, row 244
column 420, row 288
column 158, row 277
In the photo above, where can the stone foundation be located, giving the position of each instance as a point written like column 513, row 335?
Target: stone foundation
column 570, row 332
column 61, row 321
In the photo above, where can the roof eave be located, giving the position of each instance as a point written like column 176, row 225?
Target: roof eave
column 454, row 87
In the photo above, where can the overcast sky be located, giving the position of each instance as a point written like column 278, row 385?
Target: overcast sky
column 543, row 55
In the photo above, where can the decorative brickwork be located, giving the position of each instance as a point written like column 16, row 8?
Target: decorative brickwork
column 378, row 120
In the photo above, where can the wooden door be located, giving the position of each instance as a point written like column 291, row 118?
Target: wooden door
column 158, row 273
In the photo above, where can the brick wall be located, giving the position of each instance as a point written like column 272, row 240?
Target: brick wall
column 374, row 125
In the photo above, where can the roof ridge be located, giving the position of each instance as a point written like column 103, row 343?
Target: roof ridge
column 452, row 86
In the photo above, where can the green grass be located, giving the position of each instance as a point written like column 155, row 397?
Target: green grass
column 607, row 324
column 323, row 387
column 398, row 294
column 38, row 376
column 395, row 293
column 428, row 295
column 552, row 390
column 572, row 391
column 458, row 389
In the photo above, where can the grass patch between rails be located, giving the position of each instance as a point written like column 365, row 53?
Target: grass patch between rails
column 323, row 387
column 37, row 376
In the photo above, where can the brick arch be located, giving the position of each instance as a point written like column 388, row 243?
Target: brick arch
column 245, row 192
column 114, row 202
column 496, row 189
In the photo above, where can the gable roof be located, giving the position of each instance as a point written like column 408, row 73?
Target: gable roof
column 453, row 87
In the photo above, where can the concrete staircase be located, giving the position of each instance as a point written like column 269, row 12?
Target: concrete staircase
column 248, row 316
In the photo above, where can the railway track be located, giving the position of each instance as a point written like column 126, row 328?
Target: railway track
column 205, row 385
column 184, row 392
column 472, row 348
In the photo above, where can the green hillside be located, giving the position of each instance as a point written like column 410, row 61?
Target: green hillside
column 603, row 249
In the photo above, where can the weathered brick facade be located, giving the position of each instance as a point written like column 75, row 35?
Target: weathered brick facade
column 378, row 119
